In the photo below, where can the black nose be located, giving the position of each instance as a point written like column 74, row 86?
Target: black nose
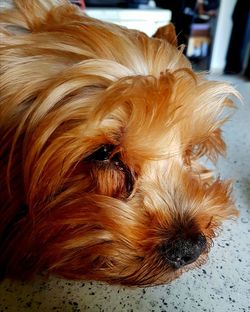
column 184, row 251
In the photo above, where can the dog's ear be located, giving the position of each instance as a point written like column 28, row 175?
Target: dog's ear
column 168, row 33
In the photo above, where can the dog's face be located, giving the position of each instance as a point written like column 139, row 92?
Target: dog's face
column 103, row 131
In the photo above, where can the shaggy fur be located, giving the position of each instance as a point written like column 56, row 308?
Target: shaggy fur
column 101, row 134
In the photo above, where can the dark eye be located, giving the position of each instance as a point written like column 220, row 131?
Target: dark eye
column 103, row 153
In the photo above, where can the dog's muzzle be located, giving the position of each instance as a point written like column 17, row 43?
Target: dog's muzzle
column 183, row 251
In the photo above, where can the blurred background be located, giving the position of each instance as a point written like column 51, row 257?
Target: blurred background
column 216, row 33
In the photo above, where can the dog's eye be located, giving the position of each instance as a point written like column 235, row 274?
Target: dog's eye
column 105, row 156
column 103, row 153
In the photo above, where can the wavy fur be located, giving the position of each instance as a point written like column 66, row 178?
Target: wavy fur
column 70, row 84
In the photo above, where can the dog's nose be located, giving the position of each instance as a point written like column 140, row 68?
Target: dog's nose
column 184, row 251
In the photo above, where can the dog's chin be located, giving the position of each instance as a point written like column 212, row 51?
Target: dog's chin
column 166, row 274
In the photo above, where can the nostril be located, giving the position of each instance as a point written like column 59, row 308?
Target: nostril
column 184, row 251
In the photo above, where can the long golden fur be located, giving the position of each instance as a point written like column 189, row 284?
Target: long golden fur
column 101, row 134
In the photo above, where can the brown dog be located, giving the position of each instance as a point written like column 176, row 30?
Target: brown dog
column 101, row 134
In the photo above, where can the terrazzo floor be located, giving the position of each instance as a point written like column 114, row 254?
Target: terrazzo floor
column 221, row 285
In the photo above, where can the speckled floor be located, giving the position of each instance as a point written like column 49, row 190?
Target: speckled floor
column 222, row 285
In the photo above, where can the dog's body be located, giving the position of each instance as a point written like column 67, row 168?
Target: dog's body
column 101, row 132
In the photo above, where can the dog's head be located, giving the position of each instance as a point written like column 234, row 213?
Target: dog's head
column 102, row 131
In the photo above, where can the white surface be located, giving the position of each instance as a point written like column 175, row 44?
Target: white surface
column 222, row 36
column 148, row 20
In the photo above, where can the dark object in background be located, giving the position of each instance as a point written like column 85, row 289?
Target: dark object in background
column 185, row 13
column 247, row 70
column 195, row 23
column 182, row 16
column 210, row 5
column 116, row 3
column 239, row 41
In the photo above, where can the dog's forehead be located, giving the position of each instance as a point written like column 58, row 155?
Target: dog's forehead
column 146, row 106
column 158, row 117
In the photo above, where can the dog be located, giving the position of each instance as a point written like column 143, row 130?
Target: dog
column 103, row 132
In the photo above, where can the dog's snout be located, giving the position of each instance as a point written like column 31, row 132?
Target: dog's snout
column 184, row 251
